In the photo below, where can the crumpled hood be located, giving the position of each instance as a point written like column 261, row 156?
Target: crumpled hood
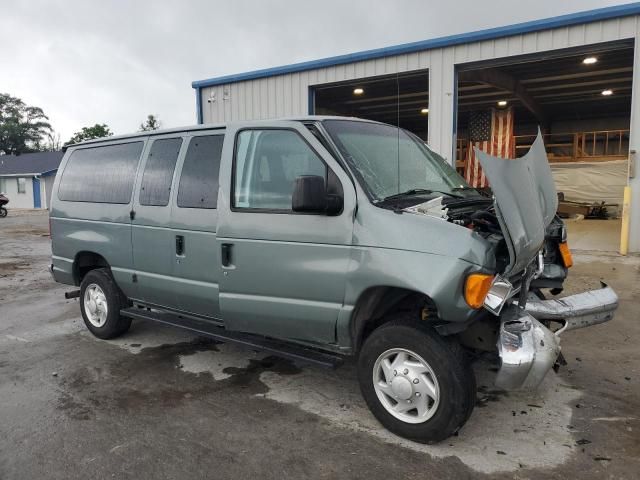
column 525, row 201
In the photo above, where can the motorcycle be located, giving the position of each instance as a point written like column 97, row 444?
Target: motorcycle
column 3, row 201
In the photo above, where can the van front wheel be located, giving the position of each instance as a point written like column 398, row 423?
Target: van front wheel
column 100, row 303
column 418, row 384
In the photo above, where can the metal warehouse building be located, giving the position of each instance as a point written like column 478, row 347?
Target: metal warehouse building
column 576, row 76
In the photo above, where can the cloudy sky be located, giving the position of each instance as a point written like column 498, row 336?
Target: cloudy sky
column 115, row 61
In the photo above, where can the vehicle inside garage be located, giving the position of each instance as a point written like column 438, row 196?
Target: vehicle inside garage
column 401, row 99
column 581, row 100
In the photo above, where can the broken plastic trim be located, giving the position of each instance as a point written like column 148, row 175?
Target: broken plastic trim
column 431, row 208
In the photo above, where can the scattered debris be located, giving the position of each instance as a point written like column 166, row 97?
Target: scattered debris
column 583, row 441
column 602, row 459
column 432, row 208
column 54, row 374
column 500, row 452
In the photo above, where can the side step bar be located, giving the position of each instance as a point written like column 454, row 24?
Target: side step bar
column 203, row 327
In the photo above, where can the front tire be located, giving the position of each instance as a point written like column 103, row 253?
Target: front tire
column 100, row 303
column 417, row 383
column 3, row 212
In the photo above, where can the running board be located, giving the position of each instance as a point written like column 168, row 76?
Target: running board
column 203, row 327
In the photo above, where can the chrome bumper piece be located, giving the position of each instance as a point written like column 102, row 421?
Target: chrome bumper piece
column 577, row 311
column 528, row 349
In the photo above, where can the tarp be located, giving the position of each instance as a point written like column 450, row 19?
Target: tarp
column 591, row 182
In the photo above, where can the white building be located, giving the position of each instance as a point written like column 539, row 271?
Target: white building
column 574, row 75
column 27, row 179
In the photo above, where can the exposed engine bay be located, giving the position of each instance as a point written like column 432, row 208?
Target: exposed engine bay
column 476, row 213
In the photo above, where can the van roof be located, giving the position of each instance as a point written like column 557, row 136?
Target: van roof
column 210, row 126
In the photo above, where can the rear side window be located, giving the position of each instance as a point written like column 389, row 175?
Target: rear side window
column 101, row 174
column 199, row 179
column 158, row 172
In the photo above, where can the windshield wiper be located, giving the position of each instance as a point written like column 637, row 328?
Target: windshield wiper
column 418, row 191
column 480, row 193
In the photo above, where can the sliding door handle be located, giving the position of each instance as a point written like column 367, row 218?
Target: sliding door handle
column 226, row 254
column 179, row 245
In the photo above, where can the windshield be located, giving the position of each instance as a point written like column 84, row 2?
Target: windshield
column 390, row 161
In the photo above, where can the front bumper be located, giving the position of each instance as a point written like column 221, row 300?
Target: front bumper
column 528, row 349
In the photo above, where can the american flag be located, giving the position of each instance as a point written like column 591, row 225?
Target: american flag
column 492, row 132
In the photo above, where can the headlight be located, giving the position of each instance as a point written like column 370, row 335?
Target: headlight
column 498, row 294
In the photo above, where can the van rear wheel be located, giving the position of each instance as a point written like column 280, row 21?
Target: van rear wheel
column 100, row 303
column 417, row 383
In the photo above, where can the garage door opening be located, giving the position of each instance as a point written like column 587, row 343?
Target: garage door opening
column 401, row 100
column 581, row 100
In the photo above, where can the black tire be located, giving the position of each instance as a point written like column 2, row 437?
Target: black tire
column 3, row 212
column 447, row 360
column 115, row 324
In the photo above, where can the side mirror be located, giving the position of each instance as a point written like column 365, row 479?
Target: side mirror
column 310, row 195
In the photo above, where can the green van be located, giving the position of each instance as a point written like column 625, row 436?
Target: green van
column 321, row 238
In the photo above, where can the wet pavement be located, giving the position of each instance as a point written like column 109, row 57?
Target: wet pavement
column 162, row 403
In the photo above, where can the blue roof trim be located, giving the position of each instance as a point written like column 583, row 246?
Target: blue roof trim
column 49, row 173
column 488, row 34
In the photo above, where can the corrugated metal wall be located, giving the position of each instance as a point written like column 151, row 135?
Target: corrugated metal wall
column 288, row 94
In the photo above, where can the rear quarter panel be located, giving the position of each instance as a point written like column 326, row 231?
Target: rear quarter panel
column 101, row 228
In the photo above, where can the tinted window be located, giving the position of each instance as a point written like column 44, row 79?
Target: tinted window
column 158, row 172
column 101, row 174
column 199, row 179
column 267, row 164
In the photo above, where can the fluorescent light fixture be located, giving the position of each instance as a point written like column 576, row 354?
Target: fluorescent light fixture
column 358, row 91
column 424, row 111
column 607, row 92
column 502, row 103
column 589, row 60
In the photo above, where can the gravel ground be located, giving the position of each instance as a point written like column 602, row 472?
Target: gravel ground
column 161, row 403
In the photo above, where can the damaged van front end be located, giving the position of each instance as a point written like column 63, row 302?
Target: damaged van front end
column 525, row 203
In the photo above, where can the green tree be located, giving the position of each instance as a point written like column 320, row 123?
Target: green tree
column 151, row 123
column 99, row 130
column 22, row 128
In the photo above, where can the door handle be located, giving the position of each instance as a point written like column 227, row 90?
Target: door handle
column 179, row 245
column 226, row 256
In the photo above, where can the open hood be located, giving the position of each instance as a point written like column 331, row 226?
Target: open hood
column 525, row 200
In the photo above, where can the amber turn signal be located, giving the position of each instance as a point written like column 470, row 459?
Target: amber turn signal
column 565, row 253
column 476, row 288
